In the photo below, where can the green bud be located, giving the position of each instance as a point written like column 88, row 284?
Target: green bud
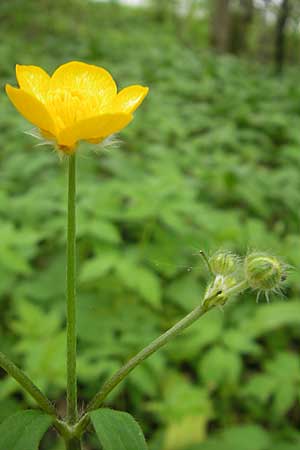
column 263, row 272
column 224, row 263
column 225, row 287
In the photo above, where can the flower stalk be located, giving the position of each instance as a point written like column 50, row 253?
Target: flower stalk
column 110, row 384
column 208, row 303
column 16, row 373
column 72, row 413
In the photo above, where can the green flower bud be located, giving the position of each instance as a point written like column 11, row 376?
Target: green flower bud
column 263, row 272
column 224, row 263
column 225, row 287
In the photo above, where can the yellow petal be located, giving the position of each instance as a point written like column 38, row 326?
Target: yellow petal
column 129, row 99
column 31, row 108
column 94, row 128
column 79, row 76
column 33, row 80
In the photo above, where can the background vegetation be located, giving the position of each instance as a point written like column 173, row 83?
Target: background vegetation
column 212, row 160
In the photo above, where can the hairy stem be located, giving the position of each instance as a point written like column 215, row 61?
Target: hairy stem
column 12, row 370
column 155, row 345
column 72, row 413
column 209, row 302
column 110, row 384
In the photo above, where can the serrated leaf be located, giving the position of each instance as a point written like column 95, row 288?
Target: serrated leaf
column 103, row 231
column 271, row 317
column 238, row 341
column 117, row 430
column 189, row 430
column 246, row 437
column 181, row 398
column 99, row 266
column 140, row 279
column 220, row 366
column 185, row 291
column 260, row 387
column 24, row 430
column 206, row 331
column 284, row 398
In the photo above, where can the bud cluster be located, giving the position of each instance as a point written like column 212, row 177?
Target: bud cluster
column 233, row 275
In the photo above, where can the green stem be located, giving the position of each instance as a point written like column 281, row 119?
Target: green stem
column 72, row 413
column 155, row 345
column 208, row 303
column 12, row 370
column 73, row 444
column 110, row 384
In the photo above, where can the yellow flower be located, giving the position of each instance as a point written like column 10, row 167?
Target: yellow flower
column 78, row 102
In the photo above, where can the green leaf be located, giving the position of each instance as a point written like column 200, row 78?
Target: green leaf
column 24, row 430
column 238, row 341
column 268, row 318
column 8, row 406
column 185, row 291
column 187, row 431
column 141, row 280
column 206, row 331
column 260, row 387
column 284, row 398
column 98, row 266
column 181, row 398
column 103, row 231
column 220, row 366
column 245, row 437
column 117, row 430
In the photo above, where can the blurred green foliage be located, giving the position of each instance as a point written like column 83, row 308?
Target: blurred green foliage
column 211, row 160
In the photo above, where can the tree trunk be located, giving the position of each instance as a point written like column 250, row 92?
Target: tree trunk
column 220, row 25
column 280, row 38
column 240, row 21
column 247, row 7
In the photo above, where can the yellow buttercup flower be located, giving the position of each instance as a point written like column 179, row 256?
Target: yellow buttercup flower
column 78, row 102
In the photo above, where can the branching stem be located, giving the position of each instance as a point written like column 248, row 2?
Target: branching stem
column 122, row 373
column 16, row 373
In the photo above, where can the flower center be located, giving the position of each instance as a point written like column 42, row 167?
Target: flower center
column 67, row 106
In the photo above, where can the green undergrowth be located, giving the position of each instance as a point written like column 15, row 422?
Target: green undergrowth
column 212, row 160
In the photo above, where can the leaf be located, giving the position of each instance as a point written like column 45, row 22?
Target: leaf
column 117, row 430
column 8, row 407
column 148, row 286
column 206, row 331
column 99, row 266
column 220, row 366
column 185, row 291
column 286, row 445
column 238, row 341
column 245, row 437
column 271, row 317
column 189, row 430
column 284, row 398
column 260, row 387
column 141, row 280
column 24, row 430
column 101, row 230
column 279, row 383
column 181, row 398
